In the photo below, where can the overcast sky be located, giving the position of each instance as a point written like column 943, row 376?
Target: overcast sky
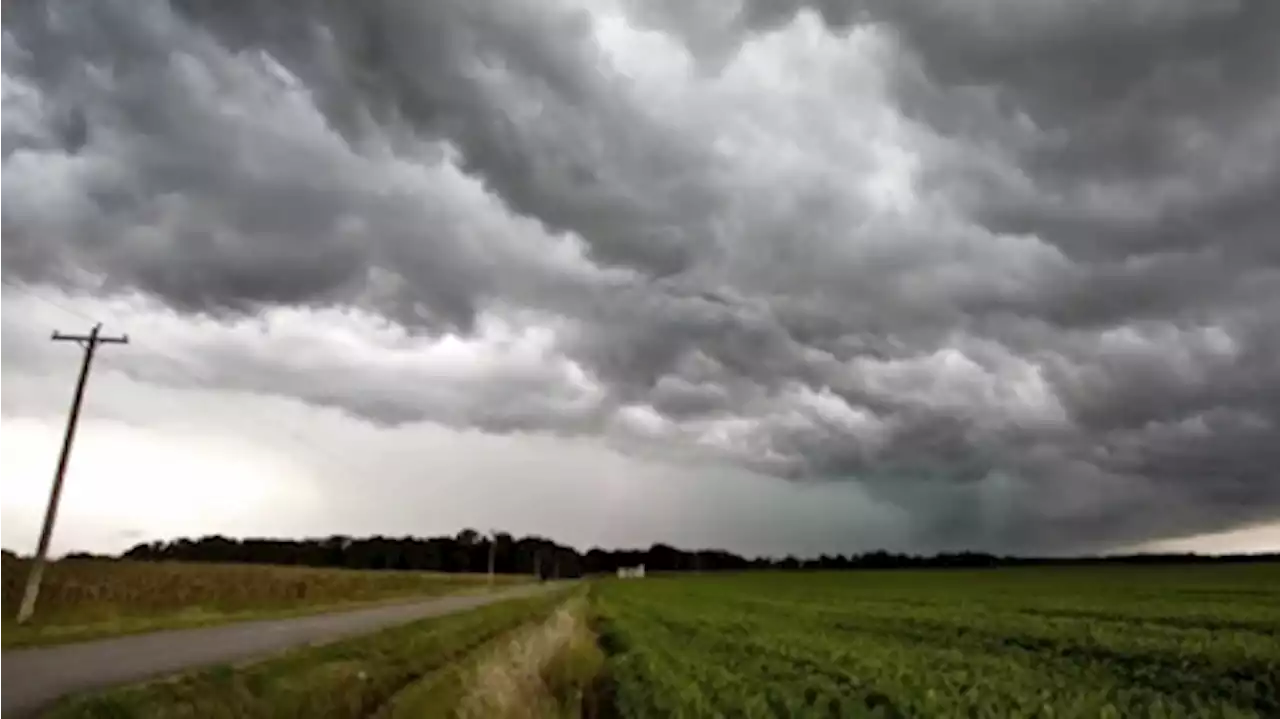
column 769, row 275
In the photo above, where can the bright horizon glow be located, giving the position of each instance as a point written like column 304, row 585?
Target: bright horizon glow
column 1258, row 539
column 127, row 484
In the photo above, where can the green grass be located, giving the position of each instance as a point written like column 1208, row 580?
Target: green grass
column 354, row 678
column 1195, row 641
column 87, row 599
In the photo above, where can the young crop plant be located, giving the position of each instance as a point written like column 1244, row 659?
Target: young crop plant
column 1030, row 642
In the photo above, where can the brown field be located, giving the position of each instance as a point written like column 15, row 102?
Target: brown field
column 82, row 598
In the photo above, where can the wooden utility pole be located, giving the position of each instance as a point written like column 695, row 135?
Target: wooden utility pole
column 493, row 549
column 90, row 344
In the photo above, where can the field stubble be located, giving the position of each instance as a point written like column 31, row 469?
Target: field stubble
column 83, row 598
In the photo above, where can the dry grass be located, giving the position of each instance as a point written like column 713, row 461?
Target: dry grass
column 545, row 671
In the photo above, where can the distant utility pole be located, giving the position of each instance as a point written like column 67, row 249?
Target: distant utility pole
column 90, row 344
column 493, row 549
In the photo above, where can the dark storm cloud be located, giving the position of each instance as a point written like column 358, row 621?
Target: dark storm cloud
column 1154, row 164
column 1154, row 121
column 584, row 162
column 1010, row 265
column 272, row 209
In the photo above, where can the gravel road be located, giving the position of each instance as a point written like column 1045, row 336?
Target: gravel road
column 34, row 677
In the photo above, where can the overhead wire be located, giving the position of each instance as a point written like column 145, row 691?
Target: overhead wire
column 196, row 382
column 25, row 289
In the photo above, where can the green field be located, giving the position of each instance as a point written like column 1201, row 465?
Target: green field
column 1114, row 641
column 82, row 599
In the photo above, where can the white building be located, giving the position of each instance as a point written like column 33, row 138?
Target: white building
column 631, row 572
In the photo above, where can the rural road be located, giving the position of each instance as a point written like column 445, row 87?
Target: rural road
column 37, row 676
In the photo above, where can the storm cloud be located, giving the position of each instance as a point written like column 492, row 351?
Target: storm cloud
column 1011, row 267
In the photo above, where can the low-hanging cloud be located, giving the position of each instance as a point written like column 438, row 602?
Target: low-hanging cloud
column 1011, row 266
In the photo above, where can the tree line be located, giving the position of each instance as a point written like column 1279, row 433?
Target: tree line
column 469, row 551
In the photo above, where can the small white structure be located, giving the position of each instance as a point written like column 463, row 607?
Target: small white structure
column 631, row 572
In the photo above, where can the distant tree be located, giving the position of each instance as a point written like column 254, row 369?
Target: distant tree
column 87, row 555
column 468, row 552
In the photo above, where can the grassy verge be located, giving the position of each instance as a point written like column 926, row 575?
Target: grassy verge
column 89, row 599
column 352, row 678
column 545, row 669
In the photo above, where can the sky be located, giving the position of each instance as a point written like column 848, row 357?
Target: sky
column 769, row 275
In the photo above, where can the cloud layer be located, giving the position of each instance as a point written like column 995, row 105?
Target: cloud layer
column 1008, row 266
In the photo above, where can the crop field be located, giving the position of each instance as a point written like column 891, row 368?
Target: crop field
column 88, row 598
column 1113, row 641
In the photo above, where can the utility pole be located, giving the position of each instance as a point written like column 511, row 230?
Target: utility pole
column 90, row 344
column 493, row 549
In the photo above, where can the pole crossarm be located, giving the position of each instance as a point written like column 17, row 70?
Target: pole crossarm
column 83, row 339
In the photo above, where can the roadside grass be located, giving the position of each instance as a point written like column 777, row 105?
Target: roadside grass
column 90, row 599
column 543, row 670
column 353, row 678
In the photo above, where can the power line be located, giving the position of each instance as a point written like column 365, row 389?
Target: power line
column 24, row 289
column 177, row 365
